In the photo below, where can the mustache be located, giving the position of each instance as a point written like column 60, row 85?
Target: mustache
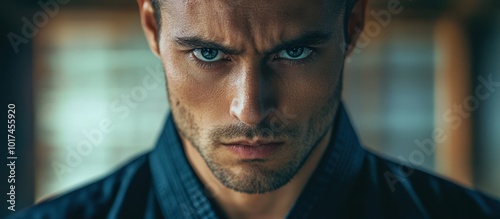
column 263, row 130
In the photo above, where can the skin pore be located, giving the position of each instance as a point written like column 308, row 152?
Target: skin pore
column 254, row 73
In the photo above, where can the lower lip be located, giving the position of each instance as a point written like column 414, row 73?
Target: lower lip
column 254, row 152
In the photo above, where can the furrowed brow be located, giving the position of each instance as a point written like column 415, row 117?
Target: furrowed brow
column 198, row 43
column 307, row 39
column 310, row 38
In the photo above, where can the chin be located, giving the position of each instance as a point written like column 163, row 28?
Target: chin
column 256, row 176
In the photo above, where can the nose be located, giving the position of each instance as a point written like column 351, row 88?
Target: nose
column 252, row 98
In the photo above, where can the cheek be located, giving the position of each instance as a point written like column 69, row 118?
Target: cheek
column 308, row 92
column 200, row 97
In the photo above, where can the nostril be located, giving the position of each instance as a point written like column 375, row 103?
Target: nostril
column 246, row 111
column 236, row 106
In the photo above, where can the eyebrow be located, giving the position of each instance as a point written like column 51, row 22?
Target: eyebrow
column 309, row 38
column 197, row 42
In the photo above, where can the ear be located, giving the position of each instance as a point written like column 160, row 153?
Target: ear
column 149, row 25
column 355, row 24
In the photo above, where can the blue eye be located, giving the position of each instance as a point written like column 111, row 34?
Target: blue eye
column 208, row 54
column 295, row 53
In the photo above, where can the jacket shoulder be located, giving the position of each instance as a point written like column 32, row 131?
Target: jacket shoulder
column 97, row 199
column 432, row 195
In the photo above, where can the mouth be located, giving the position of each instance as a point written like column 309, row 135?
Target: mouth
column 254, row 150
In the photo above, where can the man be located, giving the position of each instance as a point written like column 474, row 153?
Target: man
column 257, row 128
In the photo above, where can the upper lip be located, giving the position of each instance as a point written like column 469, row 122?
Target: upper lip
column 254, row 143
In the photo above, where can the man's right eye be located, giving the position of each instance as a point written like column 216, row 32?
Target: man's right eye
column 208, row 54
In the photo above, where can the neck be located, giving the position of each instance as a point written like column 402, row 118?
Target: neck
column 275, row 204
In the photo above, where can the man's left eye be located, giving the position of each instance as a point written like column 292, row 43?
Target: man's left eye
column 295, row 53
column 208, row 54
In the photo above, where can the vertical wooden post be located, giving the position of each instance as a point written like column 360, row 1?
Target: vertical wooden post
column 452, row 87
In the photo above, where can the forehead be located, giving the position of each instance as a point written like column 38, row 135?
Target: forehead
column 257, row 21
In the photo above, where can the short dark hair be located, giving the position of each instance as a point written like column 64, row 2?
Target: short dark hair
column 157, row 12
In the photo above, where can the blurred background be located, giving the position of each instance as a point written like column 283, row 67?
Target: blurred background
column 90, row 95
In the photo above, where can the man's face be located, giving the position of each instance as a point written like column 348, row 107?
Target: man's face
column 253, row 85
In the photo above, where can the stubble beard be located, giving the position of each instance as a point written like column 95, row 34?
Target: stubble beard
column 256, row 177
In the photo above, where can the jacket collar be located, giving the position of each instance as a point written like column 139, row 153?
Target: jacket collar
column 180, row 193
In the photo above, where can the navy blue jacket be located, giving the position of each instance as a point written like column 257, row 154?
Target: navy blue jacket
column 350, row 182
